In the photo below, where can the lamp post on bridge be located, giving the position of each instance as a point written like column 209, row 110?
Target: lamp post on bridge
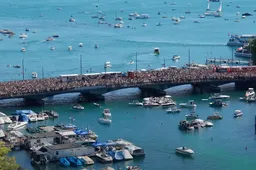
column 23, row 69
column 81, row 65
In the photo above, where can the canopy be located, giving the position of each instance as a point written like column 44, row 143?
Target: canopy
column 81, row 132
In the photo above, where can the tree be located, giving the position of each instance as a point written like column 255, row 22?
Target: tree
column 6, row 162
column 252, row 48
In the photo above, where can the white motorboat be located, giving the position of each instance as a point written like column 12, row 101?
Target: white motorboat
column 242, row 52
column 72, row 20
column 17, row 125
column 177, row 22
column 250, row 93
column 238, row 113
column 201, row 16
column 218, row 96
column 81, row 44
column 174, row 18
column 135, row 150
column 189, row 104
column 142, row 16
column 105, row 120
column 87, row 160
column 23, row 49
column 173, row 110
column 176, row 57
column 136, row 103
column 150, row 104
column 126, row 154
column 208, row 124
column 23, row 35
column 40, row 117
column 196, row 21
column 96, row 104
column 78, row 107
column 107, row 64
column 144, row 24
column 32, row 117
column 184, row 151
column 104, row 158
column 69, row 48
column 118, row 26
column 182, row 17
column 168, row 103
column 106, row 113
column 5, row 118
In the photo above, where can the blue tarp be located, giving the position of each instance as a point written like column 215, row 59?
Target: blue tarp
column 19, row 112
column 103, row 144
column 81, row 132
column 23, row 118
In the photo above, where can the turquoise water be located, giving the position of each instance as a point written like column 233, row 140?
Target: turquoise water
column 151, row 129
column 205, row 39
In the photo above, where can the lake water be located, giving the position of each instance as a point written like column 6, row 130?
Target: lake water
column 151, row 129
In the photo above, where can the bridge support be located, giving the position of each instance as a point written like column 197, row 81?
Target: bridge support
column 88, row 97
column 33, row 102
column 205, row 88
column 147, row 92
column 244, row 85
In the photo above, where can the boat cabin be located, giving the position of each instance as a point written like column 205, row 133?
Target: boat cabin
column 34, row 75
column 55, row 152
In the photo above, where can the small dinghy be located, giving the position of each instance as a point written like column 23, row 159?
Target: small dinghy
column 78, row 107
column 238, row 113
column 74, row 161
column 96, row 104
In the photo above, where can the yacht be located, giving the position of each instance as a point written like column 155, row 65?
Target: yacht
column 191, row 116
column 176, row 57
column 135, row 151
column 218, row 96
column 217, row 103
column 5, row 118
column 106, row 113
column 215, row 116
column 189, row 104
column 17, row 125
column 243, row 52
column 240, row 40
column 105, row 120
column 250, row 93
column 238, row 113
column 173, row 110
column 23, row 35
column 78, row 107
column 23, row 49
column 184, row 151
column 104, row 158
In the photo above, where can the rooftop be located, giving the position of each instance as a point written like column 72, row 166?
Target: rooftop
column 64, row 146
column 43, row 135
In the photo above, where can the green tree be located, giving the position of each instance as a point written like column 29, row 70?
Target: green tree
column 6, row 162
column 252, row 48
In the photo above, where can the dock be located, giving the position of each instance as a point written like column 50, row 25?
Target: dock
column 226, row 61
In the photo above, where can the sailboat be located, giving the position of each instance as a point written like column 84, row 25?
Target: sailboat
column 208, row 7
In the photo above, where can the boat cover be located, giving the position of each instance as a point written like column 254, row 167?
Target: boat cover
column 23, row 118
column 19, row 112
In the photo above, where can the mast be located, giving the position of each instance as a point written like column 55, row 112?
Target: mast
column 189, row 57
column 208, row 7
column 136, row 62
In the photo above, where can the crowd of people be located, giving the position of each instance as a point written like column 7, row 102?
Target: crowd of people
column 139, row 78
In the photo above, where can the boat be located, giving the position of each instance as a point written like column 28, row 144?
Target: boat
column 17, row 125
column 201, row 16
column 133, row 168
column 142, row 16
column 16, row 66
column 96, row 104
column 118, row 26
column 191, row 116
column 217, row 103
column 243, row 17
column 81, row 44
column 56, row 36
column 173, row 110
column 135, row 151
column 208, row 124
column 107, row 64
column 23, row 35
column 177, row 21
column 64, row 162
column 104, row 157
column 96, row 46
column 240, row 40
column 106, row 113
column 196, row 21
column 250, row 93
column 216, row 96
column 23, row 49
column 5, row 118
column 34, row 75
column 2, row 121
column 238, row 113
column 188, row 12
column 243, row 52
column 176, row 57
column 105, row 120
column 126, row 154
column 40, row 117
column 69, row 48
column 32, row 117
column 189, row 104
column 87, row 160
column 215, row 116
column 52, row 48
column 150, row 104
column 144, row 24
column 117, row 155
column 157, row 51
column 49, row 39
column 74, row 161
column 72, row 20
column 78, row 107
column 50, row 113
column 184, row 151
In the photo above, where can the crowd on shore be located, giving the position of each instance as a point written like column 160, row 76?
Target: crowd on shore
column 168, row 75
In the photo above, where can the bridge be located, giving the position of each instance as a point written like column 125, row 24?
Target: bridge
column 151, row 83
